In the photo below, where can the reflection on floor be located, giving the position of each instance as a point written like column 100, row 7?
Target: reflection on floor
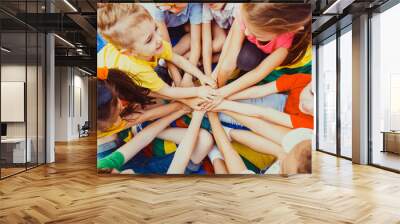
column 9, row 170
column 387, row 159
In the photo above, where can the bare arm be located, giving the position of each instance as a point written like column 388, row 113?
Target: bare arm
column 195, row 51
column 227, row 62
column 191, row 69
column 195, row 43
column 163, row 29
column 264, row 113
column 256, row 75
column 147, row 135
column 185, row 148
column 176, row 77
column 204, row 92
column 255, row 92
column 155, row 113
column 207, row 47
column 233, row 161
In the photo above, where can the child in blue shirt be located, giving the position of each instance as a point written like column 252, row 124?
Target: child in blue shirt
column 179, row 20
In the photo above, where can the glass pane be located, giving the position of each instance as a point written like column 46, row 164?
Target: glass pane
column 327, row 96
column 346, row 94
column 13, row 77
column 385, row 85
column 32, row 96
column 41, row 98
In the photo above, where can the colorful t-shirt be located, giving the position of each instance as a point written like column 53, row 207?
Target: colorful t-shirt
column 282, row 41
column 114, row 129
column 294, row 84
column 143, row 71
column 224, row 18
column 192, row 13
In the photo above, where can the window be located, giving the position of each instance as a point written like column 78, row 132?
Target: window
column 327, row 96
column 385, row 86
column 346, row 75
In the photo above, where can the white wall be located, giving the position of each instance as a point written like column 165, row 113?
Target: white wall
column 14, row 73
column 33, row 127
column 71, row 93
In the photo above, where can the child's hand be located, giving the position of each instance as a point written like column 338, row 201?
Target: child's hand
column 214, row 75
column 186, row 109
column 207, row 80
column 208, row 106
column 194, row 103
column 207, row 93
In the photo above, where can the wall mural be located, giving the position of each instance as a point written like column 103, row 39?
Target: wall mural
column 212, row 88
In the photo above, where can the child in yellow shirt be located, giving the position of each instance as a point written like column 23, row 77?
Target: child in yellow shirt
column 135, row 46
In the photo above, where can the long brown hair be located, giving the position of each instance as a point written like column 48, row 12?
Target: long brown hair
column 121, row 85
column 281, row 18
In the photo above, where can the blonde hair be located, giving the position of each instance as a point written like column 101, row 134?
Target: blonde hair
column 108, row 16
column 280, row 18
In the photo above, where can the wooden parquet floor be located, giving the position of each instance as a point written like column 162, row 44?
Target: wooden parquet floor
column 70, row 191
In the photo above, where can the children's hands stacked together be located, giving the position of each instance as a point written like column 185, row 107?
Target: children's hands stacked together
column 209, row 96
column 207, row 80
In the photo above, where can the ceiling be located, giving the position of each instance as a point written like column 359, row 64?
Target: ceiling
column 72, row 20
column 75, row 21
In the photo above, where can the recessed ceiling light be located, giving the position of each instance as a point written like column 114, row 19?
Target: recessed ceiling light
column 64, row 40
column 5, row 50
column 70, row 5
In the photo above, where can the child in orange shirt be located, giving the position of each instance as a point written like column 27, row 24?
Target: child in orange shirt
column 286, row 135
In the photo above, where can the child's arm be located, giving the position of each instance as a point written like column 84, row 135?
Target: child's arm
column 255, row 92
column 264, row 113
column 256, row 75
column 162, row 28
column 233, row 161
column 195, row 43
column 207, row 47
column 204, row 92
column 227, row 61
column 195, row 50
column 154, row 113
column 142, row 139
column 175, row 75
column 191, row 69
column 185, row 148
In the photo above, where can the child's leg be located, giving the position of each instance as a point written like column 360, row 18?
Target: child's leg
column 218, row 37
column 215, row 57
column 203, row 145
column 185, row 149
column 250, row 56
column 217, row 161
column 183, row 45
column 233, row 161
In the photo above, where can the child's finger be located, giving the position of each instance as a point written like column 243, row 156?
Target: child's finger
column 211, row 97
column 207, row 99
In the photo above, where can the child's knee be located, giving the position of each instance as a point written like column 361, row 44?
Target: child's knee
column 218, row 43
column 249, row 57
column 205, row 139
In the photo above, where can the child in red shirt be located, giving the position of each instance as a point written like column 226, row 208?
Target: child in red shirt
column 286, row 135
